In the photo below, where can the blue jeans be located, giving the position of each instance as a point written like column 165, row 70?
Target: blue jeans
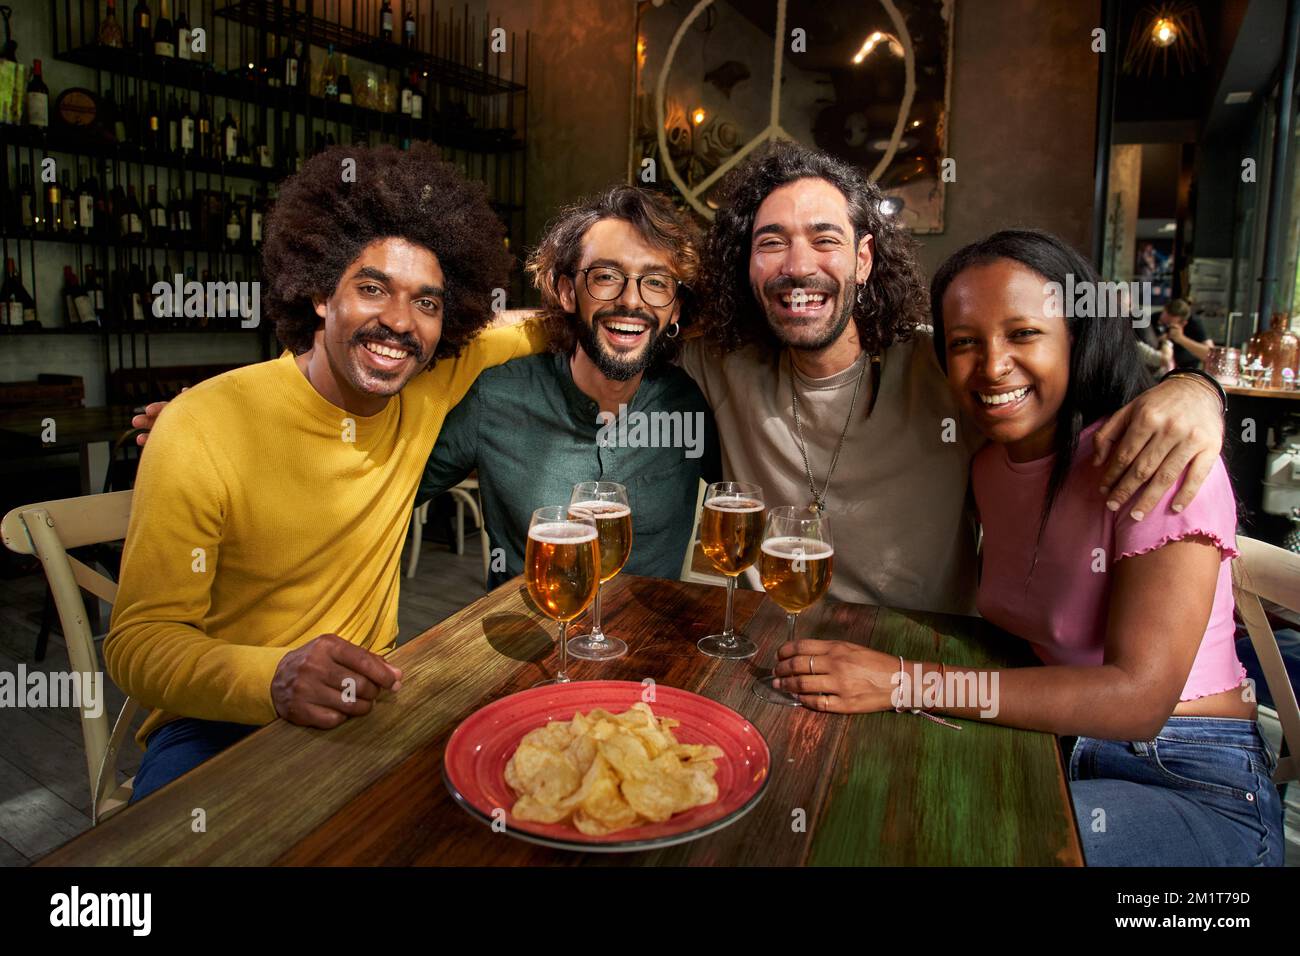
column 180, row 746
column 1200, row 794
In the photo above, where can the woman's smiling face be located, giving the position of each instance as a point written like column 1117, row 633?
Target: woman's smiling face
column 1008, row 354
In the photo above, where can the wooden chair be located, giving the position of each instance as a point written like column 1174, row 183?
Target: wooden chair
column 465, row 495
column 696, row 568
column 1265, row 572
column 48, row 530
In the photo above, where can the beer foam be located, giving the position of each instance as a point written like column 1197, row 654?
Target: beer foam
column 562, row 532
column 737, row 503
column 602, row 510
column 811, row 548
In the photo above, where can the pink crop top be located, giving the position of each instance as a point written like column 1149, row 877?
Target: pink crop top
column 1062, row 610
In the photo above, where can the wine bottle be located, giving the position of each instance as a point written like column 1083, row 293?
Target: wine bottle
column 345, row 82
column 141, row 34
column 407, row 92
column 19, row 309
column 153, row 131
column 187, row 129
column 203, row 128
column 130, row 221
column 417, row 97
column 256, row 216
column 115, row 204
column 229, row 137
column 95, row 293
column 157, row 215
column 408, row 26
column 183, row 51
column 173, row 125
column 181, row 220
column 164, row 38
column 77, row 305
column 87, row 198
column 386, row 21
column 292, row 63
column 261, row 150
column 53, row 207
column 110, row 31
column 330, row 75
column 273, row 66
column 68, row 204
column 234, row 228
column 136, row 294
column 26, row 200
column 38, row 99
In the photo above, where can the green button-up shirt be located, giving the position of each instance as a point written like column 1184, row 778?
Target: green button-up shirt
column 532, row 435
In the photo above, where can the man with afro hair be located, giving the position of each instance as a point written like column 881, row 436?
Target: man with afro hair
column 261, row 566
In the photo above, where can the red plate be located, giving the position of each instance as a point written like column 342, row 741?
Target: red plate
column 477, row 753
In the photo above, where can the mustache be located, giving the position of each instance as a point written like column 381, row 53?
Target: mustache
column 618, row 312
column 780, row 284
column 386, row 336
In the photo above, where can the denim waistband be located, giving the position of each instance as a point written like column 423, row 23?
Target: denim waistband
column 1232, row 731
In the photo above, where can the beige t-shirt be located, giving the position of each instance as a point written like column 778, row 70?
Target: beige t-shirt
column 903, row 529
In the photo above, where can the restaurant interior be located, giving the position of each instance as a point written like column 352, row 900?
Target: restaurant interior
column 145, row 146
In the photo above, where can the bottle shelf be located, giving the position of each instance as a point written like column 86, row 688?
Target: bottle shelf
column 297, row 25
column 116, row 242
column 199, row 77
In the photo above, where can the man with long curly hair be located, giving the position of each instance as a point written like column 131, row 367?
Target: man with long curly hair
column 614, row 272
column 823, row 378
column 260, row 572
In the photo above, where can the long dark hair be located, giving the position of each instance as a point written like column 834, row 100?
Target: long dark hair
column 893, row 298
column 1106, row 372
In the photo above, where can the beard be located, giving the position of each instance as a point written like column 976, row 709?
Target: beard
column 612, row 365
column 347, row 366
column 819, row 338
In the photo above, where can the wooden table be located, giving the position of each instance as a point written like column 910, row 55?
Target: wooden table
column 22, row 432
column 875, row 789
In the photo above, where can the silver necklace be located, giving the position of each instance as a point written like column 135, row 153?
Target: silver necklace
column 819, row 500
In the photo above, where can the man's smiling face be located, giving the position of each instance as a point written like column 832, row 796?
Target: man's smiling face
column 804, row 264
column 624, row 335
column 384, row 319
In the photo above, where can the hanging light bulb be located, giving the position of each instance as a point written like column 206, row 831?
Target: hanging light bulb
column 1163, row 31
column 698, row 116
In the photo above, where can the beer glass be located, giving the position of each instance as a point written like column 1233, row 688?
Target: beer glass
column 606, row 502
column 731, row 528
column 795, row 565
column 562, row 569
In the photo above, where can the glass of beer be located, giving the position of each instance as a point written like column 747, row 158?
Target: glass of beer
column 606, row 502
column 795, row 565
column 562, row 569
column 731, row 529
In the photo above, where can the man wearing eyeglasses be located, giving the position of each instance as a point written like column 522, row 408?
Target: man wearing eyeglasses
column 606, row 402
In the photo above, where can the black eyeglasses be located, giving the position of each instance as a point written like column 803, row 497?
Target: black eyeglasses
column 607, row 283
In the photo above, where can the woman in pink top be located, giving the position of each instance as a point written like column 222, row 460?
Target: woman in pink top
column 1131, row 614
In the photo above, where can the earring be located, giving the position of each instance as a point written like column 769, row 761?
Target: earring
column 859, row 296
column 675, row 329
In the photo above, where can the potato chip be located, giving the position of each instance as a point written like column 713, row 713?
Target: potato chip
column 604, row 772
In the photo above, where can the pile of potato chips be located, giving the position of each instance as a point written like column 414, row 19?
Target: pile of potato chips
column 606, row 772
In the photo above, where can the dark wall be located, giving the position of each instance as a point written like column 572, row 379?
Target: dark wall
column 1023, row 103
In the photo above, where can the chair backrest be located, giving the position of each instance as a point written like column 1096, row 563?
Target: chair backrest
column 47, row 530
column 1273, row 574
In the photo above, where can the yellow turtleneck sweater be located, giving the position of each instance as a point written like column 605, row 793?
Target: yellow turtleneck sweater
column 265, row 516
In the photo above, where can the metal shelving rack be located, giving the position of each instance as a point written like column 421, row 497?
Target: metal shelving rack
column 475, row 111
